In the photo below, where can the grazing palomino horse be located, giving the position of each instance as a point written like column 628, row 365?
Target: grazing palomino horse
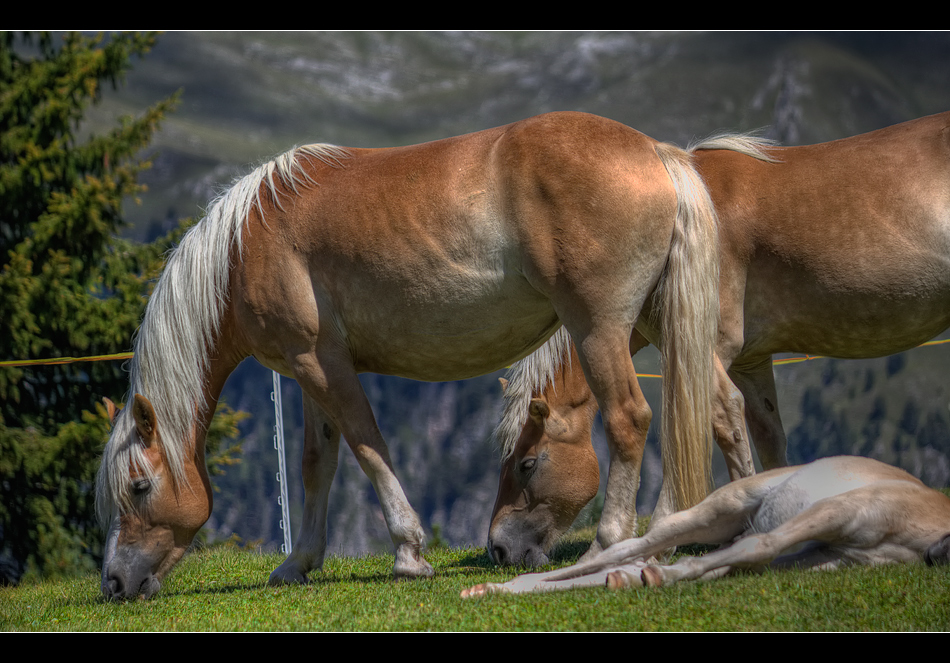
column 837, row 249
column 844, row 510
column 439, row 261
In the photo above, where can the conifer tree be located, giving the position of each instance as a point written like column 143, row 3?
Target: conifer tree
column 69, row 287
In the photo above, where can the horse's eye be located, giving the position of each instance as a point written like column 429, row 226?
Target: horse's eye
column 140, row 486
column 528, row 464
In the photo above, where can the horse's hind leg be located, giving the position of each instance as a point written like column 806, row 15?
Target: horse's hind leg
column 729, row 426
column 320, row 457
column 761, row 411
column 333, row 384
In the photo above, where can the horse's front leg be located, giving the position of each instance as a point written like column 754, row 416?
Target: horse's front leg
column 626, row 415
column 333, row 383
column 320, row 457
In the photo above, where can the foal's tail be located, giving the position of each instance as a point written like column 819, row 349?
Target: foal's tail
column 689, row 310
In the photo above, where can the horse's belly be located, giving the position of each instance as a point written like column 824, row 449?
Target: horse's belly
column 445, row 354
column 821, row 479
column 866, row 313
column 468, row 332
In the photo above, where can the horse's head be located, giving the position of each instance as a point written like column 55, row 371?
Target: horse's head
column 551, row 474
column 153, row 509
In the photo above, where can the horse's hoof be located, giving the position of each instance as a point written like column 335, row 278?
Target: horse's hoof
column 411, row 564
column 287, row 577
column 652, row 576
column 620, row 579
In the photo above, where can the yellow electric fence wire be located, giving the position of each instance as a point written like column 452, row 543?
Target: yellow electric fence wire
column 128, row 355
column 66, row 360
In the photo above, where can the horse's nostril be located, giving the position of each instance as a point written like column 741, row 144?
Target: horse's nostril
column 113, row 588
column 499, row 553
column 534, row 556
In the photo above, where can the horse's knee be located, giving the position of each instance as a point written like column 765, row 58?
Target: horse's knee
column 634, row 411
column 729, row 427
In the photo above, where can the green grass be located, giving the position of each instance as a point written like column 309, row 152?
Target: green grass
column 226, row 590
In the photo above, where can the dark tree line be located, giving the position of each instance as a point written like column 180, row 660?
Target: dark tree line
column 69, row 287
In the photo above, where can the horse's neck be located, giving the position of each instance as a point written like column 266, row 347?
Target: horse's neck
column 568, row 383
column 222, row 363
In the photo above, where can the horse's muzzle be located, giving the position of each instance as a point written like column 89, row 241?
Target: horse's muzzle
column 122, row 580
column 116, row 588
column 503, row 554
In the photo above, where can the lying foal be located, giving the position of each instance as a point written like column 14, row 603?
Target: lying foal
column 834, row 511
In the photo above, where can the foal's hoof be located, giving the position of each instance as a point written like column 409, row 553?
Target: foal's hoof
column 484, row 589
column 621, row 579
column 652, row 576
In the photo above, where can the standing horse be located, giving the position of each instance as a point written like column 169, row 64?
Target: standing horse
column 844, row 510
column 439, row 261
column 839, row 249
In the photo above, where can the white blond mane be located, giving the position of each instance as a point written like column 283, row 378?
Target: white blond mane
column 526, row 378
column 181, row 323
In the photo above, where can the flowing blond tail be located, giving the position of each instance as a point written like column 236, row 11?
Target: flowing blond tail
column 689, row 305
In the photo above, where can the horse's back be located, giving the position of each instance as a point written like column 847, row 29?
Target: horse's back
column 845, row 245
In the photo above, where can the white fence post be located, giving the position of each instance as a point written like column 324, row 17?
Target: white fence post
column 281, row 465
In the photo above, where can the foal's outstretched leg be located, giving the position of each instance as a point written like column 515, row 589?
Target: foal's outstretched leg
column 718, row 519
column 320, row 457
column 333, row 384
column 823, row 522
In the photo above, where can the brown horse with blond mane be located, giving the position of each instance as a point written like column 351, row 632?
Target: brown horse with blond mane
column 839, row 249
column 439, row 261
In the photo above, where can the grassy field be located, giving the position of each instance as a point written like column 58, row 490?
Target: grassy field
column 226, row 590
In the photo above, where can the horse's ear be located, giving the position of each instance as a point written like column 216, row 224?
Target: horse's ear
column 539, row 411
column 112, row 409
column 145, row 422
column 504, row 384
